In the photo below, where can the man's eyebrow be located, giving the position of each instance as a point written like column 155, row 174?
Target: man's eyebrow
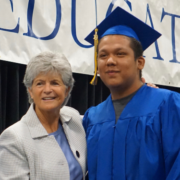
column 116, row 49
column 102, row 50
column 119, row 48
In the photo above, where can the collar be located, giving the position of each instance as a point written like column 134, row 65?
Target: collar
column 36, row 129
column 65, row 114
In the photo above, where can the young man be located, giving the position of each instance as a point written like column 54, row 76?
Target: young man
column 135, row 133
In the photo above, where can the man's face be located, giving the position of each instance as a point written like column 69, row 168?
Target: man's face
column 116, row 64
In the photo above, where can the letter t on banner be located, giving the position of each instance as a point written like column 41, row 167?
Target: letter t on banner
column 173, row 16
column 156, row 44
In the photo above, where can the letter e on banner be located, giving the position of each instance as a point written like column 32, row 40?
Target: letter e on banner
column 16, row 29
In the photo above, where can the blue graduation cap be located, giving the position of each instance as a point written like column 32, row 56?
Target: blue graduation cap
column 120, row 22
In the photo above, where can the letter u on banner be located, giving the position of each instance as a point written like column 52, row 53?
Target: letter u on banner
column 30, row 32
column 73, row 26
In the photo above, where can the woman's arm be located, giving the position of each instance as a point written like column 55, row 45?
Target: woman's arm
column 13, row 162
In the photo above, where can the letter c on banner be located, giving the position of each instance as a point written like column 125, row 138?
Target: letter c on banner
column 30, row 32
column 112, row 5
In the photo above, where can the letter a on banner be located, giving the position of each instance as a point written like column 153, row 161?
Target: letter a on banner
column 112, row 5
column 30, row 32
column 156, row 44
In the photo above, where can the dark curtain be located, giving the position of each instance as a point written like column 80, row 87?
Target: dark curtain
column 14, row 101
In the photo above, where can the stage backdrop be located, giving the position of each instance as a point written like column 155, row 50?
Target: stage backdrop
column 28, row 27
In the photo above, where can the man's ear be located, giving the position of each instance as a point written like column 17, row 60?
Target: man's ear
column 140, row 62
column 30, row 92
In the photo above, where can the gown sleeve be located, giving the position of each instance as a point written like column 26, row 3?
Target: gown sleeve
column 13, row 161
column 170, row 120
column 85, row 120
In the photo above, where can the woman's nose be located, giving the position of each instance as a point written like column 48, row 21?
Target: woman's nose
column 47, row 88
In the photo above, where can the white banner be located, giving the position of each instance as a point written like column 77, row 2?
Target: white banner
column 28, row 27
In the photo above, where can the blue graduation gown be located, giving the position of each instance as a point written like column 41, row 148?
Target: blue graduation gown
column 144, row 144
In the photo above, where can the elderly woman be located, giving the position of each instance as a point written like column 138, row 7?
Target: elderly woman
column 48, row 143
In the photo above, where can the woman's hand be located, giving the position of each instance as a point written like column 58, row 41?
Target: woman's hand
column 149, row 84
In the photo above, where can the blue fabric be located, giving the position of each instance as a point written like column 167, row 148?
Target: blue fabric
column 121, row 30
column 143, row 145
column 74, row 167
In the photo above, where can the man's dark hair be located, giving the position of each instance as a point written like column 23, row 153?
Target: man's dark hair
column 137, row 49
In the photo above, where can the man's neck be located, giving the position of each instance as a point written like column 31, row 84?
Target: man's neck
column 121, row 92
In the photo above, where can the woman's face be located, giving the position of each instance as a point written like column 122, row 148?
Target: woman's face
column 48, row 92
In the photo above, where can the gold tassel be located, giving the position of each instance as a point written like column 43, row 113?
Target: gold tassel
column 94, row 80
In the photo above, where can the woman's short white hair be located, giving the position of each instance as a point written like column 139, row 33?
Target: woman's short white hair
column 49, row 62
